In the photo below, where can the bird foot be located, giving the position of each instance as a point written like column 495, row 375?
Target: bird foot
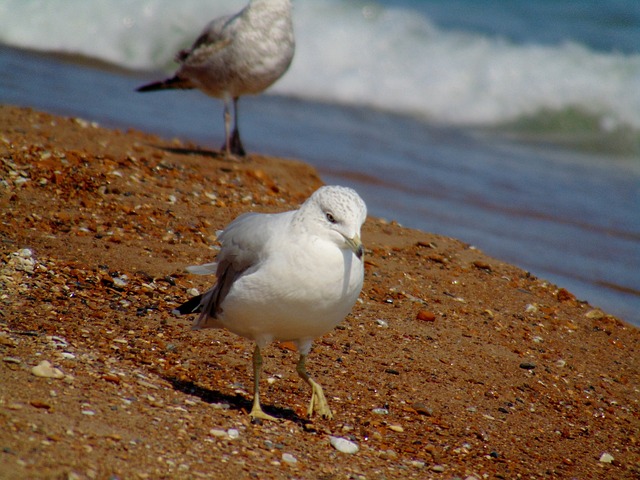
column 318, row 402
column 257, row 414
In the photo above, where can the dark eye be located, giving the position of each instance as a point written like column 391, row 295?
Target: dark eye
column 330, row 218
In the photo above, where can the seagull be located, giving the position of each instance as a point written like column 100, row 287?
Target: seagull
column 236, row 55
column 290, row 276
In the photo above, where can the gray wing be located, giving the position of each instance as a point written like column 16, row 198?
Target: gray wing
column 215, row 36
column 244, row 243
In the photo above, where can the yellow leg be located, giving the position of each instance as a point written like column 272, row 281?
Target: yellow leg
column 256, row 410
column 318, row 402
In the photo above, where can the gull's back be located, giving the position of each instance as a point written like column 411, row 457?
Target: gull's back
column 243, row 53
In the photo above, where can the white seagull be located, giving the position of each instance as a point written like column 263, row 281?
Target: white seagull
column 236, row 55
column 290, row 276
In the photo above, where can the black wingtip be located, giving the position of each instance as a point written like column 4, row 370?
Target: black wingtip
column 169, row 83
column 190, row 306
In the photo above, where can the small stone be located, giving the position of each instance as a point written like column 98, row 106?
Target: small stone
column 531, row 308
column 58, row 342
column 382, row 323
column 426, row 316
column 606, row 458
column 39, row 404
column 595, row 314
column 438, row 468
column 479, row 264
column 111, row 377
column 233, row 433
column 565, row 295
column 216, row 432
column 6, row 341
column 12, row 360
column 560, row 363
column 288, row 458
column 89, row 413
column 422, row 409
column 388, row 454
column 396, row 428
column 528, row 365
column 380, row 411
column 45, row 370
column 343, row 445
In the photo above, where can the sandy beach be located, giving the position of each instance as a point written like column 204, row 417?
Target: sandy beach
column 451, row 365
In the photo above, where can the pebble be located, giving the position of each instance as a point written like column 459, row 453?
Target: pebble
column 382, row 323
column 426, row 316
column 12, row 360
column 528, row 365
column 233, row 433
column 388, row 454
column 343, row 445
column 438, row 468
column 45, row 370
column 288, row 458
column 422, row 409
column 40, row 404
column 6, row 341
column 606, row 458
column 380, row 411
column 396, row 428
column 595, row 314
column 58, row 342
column 23, row 261
column 560, row 363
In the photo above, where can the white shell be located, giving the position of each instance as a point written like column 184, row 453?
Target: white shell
column 343, row 445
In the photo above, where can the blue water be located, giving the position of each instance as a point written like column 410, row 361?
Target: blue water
column 513, row 126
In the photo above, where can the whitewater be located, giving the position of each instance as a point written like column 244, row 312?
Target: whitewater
column 385, row 55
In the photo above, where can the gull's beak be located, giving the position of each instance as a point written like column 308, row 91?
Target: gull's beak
column 355, row 245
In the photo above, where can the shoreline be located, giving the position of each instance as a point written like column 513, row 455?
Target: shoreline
column 482, row 369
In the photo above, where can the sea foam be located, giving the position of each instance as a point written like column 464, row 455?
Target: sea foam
column 357, row 53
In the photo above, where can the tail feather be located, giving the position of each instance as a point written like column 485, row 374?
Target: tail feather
column 192, row 305
column 169, row 83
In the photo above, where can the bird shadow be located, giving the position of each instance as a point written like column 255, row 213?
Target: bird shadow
column 236, row 402
column 201, row 152
column 204, row 152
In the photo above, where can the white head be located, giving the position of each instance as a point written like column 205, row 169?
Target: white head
column 338, row 212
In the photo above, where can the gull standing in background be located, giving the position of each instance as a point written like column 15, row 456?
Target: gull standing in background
column 290, row 276
column 236, row 55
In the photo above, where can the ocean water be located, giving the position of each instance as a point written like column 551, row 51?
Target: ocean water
column 514, row 126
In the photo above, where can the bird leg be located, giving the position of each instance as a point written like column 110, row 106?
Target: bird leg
column 318, row 401
column 235, row 143
column 227, row 126
column 256, row 410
